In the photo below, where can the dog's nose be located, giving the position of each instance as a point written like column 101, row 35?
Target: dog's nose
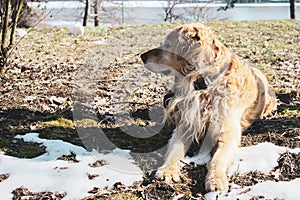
column 144, row 57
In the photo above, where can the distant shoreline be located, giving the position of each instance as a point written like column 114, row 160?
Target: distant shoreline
column 66, row 13
column 149, row 4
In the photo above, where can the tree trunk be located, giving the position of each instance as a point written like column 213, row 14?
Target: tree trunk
column 4, row 39
column 86, row 12
column 169, row 11
column 1, row 12
column 15, row 19
column 5, row 25
column 96, row 12
column 293, row 9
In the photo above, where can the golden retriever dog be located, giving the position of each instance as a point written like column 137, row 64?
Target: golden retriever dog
column 216, row 95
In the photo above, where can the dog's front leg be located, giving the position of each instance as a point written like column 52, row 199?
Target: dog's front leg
column 170, row 170
column 227, row 145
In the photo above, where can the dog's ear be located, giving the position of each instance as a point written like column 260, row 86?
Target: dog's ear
column 196, row 35
column 191, row 31
column 216, row 46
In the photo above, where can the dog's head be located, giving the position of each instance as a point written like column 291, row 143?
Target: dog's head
column 185, row 49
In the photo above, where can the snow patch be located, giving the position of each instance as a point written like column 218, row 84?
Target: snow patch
column 54, row 148
column 261, row 157
column 268, row 189
column 46, row 173
column 200, row 159
column 100, row 42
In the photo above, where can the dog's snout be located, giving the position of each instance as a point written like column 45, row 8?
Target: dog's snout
column 153, row 53
column 144, row 57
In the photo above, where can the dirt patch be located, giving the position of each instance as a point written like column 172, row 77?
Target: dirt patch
column 282, row 132
column 288, row 167
column 3, row 177
column 24, row 193
column 70, row 158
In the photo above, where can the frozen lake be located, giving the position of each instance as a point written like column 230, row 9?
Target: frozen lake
column 63, row 13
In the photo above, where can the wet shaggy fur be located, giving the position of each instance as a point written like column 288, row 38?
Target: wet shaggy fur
column 235, row 94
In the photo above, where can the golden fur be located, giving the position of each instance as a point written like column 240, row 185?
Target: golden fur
column 237, row 93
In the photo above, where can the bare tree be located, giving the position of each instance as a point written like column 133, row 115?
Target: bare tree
column 96, row 7
column 197, row 11
column 293, row 9
column 169, row 11
column 8, row 28
column 230, row 4
column 86, row 13
column 200, row 12
column 111, row 14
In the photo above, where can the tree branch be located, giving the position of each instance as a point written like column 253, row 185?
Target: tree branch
column 230, row 4
column 4, row 47
column 15, row 19
column 5, row 26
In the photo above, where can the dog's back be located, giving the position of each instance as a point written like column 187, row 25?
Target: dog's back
column 265, row 102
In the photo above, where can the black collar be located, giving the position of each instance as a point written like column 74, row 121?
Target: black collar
column 168, row 96
column 200, row 84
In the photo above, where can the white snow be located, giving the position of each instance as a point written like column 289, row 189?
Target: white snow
column 200, row 159
column 268, row 189
column 20, row 32
column 100, row 42
column 46, row 173
column 261, row 157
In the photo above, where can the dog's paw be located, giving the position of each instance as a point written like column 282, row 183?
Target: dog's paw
column 168, row 174
column 216, row 181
